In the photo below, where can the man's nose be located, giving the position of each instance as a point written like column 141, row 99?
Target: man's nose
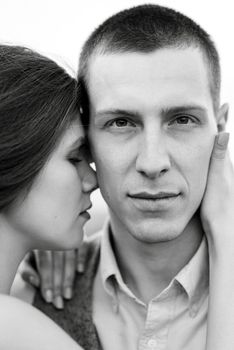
column 153, row 157
column 89, row 180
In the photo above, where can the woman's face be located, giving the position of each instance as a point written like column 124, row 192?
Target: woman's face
column 53, row 213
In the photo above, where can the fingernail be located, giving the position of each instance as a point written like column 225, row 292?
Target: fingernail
column 222, row 139
column 67, row 293
column 34, row 281
column 48, row 295
column 80, row 267
column 58, row 302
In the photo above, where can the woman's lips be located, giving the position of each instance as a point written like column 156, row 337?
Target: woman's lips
column 85, row 215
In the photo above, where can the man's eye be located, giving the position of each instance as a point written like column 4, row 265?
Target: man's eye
column 183, row 120
column 120, row 123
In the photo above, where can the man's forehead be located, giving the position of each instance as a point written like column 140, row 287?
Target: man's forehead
column 169, row 72
column 172, row 62
column 99, row 61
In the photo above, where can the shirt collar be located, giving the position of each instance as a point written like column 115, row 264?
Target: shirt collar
column 108, row 263
column 110, row 274
column 193, row 278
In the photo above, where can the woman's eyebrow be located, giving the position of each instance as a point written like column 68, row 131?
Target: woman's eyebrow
column 77, row 143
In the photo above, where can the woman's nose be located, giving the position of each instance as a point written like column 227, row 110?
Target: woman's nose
column 89, row 182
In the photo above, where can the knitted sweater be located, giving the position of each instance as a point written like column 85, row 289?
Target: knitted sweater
column 76, row 317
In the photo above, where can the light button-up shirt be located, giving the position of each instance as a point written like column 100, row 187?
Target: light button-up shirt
column 173, row 320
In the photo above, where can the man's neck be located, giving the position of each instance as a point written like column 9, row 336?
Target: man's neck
column 147, row 269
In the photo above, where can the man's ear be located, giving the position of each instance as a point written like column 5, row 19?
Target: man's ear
column 222, row 117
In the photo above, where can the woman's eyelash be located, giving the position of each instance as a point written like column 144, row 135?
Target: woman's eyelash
column 75, row 159
column 78, row 155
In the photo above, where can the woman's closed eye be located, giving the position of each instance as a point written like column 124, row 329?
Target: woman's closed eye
column 74, row 158
column 76, row 155
column 79, row 155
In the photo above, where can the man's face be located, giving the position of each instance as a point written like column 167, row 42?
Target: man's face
column 152, row 128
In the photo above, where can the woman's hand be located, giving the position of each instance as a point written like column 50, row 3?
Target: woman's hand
column 217, row 214
column 54, row 273
column 217, row 208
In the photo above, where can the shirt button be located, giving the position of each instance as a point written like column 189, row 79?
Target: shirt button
column 115, row 307
column 152, row 343
column 193, row 312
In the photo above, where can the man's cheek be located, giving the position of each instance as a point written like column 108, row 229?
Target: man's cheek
column 112, row 162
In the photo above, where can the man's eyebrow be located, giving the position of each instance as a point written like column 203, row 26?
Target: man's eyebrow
column 164, row 111
column 184, row 108
column 117, row 113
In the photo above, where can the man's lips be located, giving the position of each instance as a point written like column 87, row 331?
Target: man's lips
column 153, row 196
column 153, row 202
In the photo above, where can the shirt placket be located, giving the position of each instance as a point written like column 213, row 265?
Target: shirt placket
column 159, row 314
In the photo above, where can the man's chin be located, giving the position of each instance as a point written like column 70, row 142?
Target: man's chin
column 155, row 233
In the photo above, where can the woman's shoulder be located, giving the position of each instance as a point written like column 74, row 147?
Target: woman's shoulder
column 24, row 327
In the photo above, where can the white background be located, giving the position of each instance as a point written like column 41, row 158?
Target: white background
column 59, row 27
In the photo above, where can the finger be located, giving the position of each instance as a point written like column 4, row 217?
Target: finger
column 30, row 275
column 81, row 257
column 28, row 271
column 220, row 145
column 45, row 269
column 58, row 268
column 69, row 273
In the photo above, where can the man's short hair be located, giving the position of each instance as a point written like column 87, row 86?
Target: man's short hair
column 144, row 29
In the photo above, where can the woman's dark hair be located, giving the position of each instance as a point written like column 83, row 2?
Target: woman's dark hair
column 38, row 101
